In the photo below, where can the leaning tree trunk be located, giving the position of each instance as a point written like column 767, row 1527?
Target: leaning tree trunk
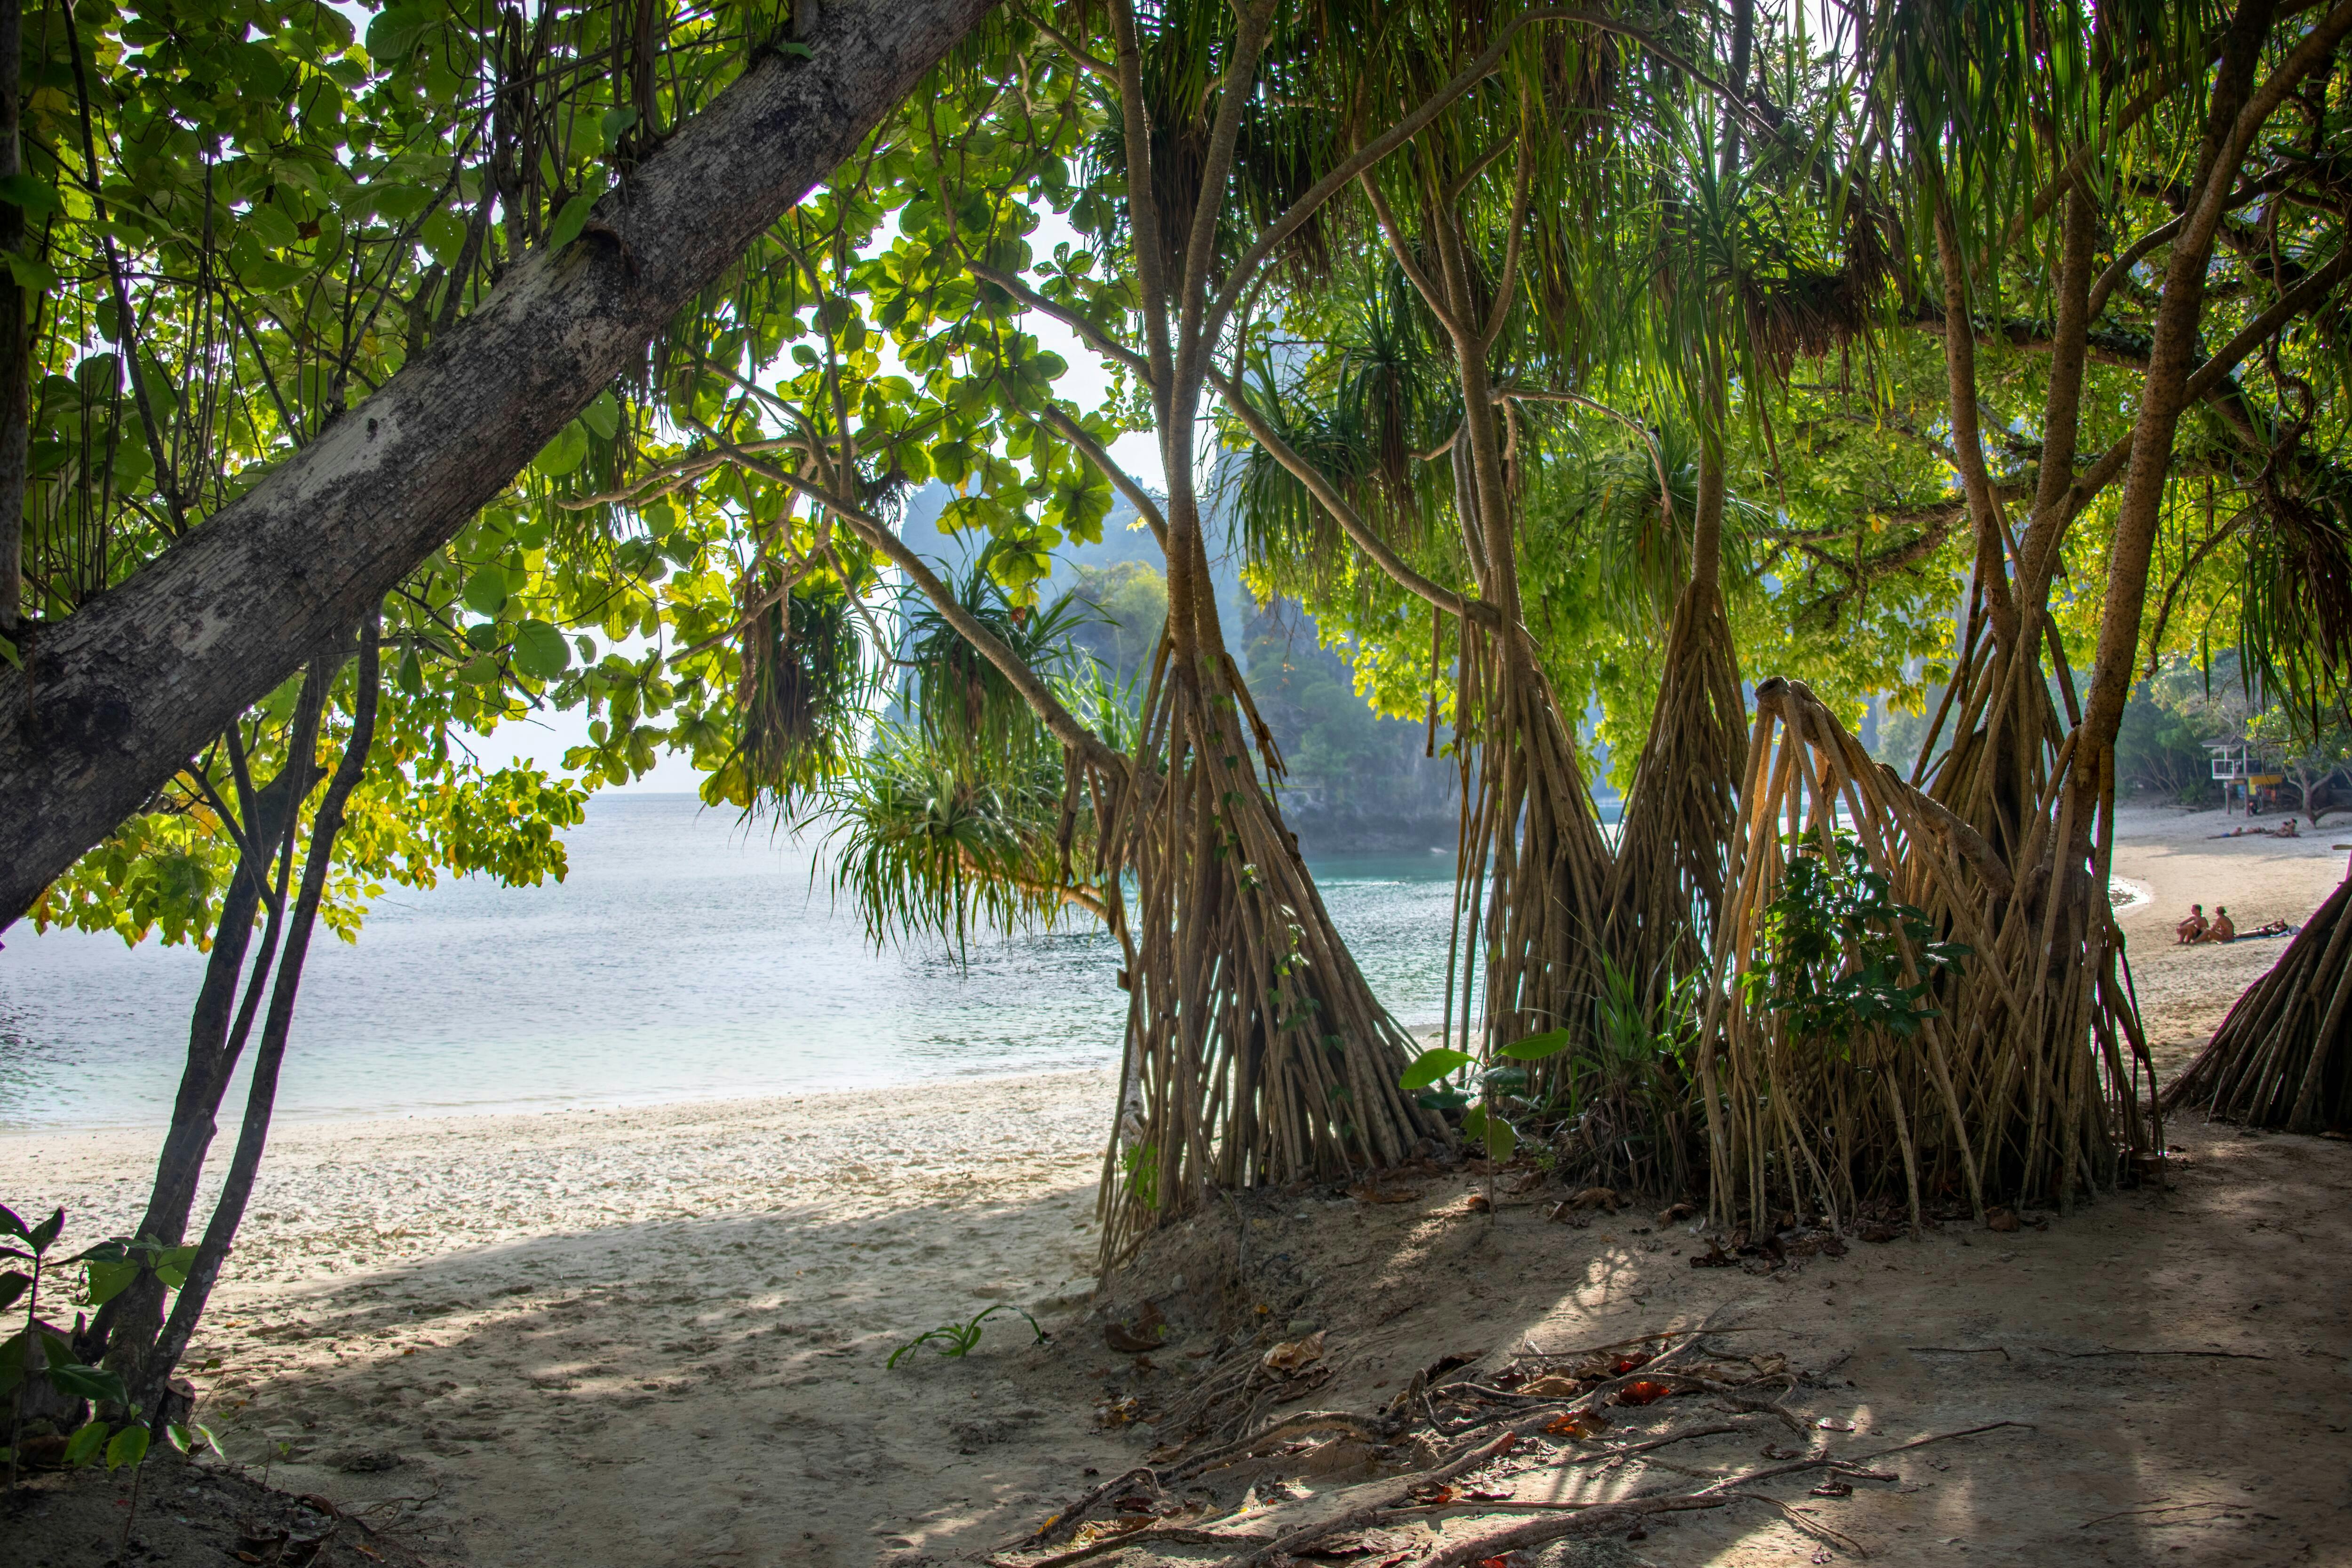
column 150, row 1380
column 220, row 1026
column 122, row 694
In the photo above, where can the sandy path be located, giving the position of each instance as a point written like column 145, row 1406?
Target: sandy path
column 2184, row 992
column 655, row 1336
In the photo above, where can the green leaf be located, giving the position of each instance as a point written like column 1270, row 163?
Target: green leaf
column 1501, row 1139
column 108, row 1280
column 570, row 220
column 13, row 1354
column 128, row 1447
column 392, row 36
column 9, row 1224
column 173, row 1264
column 13, row 1285
column 485, row 590
column 1433, row 1064
column 616, row 124
column 178, row 1437
column 444, row 236
column 41, row 1235
column 29, row 192
column 272, row 227
column 565, row 452
column 541, row 651
column 84, row 1445
column 796, row 51
column 89, row 1383
column 1536, row 1047
column 603, row 416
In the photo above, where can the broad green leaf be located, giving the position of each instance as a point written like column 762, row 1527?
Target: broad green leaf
column 1536, row 1047
column 89, row 1383
column 108, row 1280
column 485, row 590
column 13, row 1285
column 272, row 227
column 565, row 452
column 1437, row 1063
column 46, row 1233
column 444, row 236
column 172, row 1265
column 616, row 124
column 1501, row 1139
column 392, row 36
column 30, row 192
column 178, row 1437
column 128, row 1447
column 541, row 651
column 9, row 1224
column 569, row 221
column 604, row 415
column 84, row 1445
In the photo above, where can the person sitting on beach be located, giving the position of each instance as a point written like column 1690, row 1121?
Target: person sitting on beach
column 2287, row 829
column 2222, row 930
column 2191, row 929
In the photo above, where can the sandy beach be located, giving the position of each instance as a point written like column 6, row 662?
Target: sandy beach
column 657, row 1336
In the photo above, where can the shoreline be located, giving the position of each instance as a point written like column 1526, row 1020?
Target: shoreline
column 288, row 1122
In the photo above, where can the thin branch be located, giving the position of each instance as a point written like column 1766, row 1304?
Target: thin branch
column 1324, row 492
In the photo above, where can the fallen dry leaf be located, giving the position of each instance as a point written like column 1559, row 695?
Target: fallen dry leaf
column 1585, row 1424
column 1553, row 1385
column 1479, row 1204
column 1876, row 1230
column 1676, row 1213
column 1292, row 1354
column 1597, row 1198
column 1833, row 1487
column 2000, row 1219
column 1643, row 1391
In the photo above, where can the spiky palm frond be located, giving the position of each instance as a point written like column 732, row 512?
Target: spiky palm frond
column 923, row 845
column 803, row 688
column 961, row 700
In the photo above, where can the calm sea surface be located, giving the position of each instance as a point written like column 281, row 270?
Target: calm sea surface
column 684, row 958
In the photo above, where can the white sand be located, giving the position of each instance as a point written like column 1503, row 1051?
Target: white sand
column 655, row 1336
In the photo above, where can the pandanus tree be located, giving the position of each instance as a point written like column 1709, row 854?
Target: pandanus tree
column 2000, row 127
column 1494, row 380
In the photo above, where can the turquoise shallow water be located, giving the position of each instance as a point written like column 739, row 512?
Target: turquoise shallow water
column 683, row 959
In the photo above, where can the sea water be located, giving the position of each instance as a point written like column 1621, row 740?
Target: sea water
column 686, row 957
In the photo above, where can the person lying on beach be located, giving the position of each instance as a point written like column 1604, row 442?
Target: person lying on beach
column 2222, row 930
column 2191, row 929
column 2276, row 928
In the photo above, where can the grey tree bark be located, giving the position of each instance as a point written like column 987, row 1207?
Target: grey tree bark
column 117, row 698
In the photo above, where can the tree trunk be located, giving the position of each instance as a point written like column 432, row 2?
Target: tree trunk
column 147, row 1388
column 15, row 401
column 123, row 694
column 218, row 1028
